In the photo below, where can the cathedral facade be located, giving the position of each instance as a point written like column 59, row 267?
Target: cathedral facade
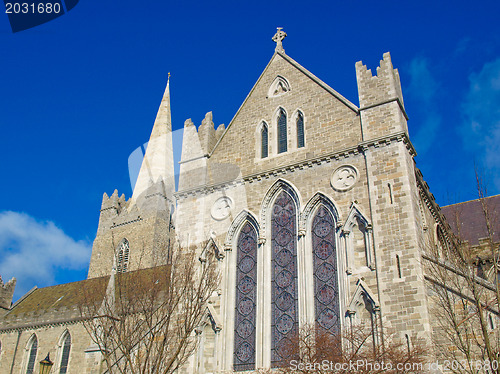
column 313, row 204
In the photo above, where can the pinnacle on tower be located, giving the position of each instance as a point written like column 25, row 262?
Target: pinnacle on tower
column 158, row 162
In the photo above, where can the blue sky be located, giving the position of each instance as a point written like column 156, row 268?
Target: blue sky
column 80, row 94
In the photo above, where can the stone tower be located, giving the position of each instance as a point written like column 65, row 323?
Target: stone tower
column 6, row 293
column 136, row 233
column 393, row 199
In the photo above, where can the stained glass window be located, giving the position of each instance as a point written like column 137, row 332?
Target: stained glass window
column 264, row 135
column 300, row 130
column 326, row 289
column 282, row 139
column 284, row 322
column 246, row 294
column 66, row 347
column 122, row 256
column 32, row 349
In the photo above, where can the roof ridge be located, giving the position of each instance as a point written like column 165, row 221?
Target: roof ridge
column 469, row 201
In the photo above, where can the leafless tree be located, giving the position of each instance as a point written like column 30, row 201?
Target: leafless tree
column 146, row 320
column 317, row 351
column 465, row 296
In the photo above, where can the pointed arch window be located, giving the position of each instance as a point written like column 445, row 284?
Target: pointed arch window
column 284, row 320
column 65, row 349
column 300, row 130
column 246, row 295
column 122, row 256
column 282, row 132
column 32, row 349
column 264, row 141
column 326, row 288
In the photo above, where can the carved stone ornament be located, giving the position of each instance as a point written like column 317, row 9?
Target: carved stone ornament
column 221, row 208
column 344, row 178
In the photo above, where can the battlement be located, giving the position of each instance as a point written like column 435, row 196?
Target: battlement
column 374, row 89
column 7, row 292
column 200, row 142
column 380, row 100
column 114, row 203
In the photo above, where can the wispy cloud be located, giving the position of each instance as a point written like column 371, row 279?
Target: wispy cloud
column 463, row 45
column 481, row 113
column 34, row 251
column 423, row 89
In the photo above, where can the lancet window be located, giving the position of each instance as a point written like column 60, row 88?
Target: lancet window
column 326, row 288
column 282, row 132
column 284, row 319
column 300, row 130
column 264, row 141
column 122, row 256
column 66, row 347
column 31, row 350
column 246, row 294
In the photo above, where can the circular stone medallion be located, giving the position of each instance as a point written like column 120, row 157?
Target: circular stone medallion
column 221, row 208
column 344, row 177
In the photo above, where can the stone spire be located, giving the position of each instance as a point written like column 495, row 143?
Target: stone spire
column 278, row 38
column 158, row 162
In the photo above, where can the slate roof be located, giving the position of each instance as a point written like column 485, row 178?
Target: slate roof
column 59, row 304
column 468, row 221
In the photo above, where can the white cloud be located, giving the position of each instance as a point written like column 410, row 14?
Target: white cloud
column 33, row 251
column 423, row 89
column 481, row 111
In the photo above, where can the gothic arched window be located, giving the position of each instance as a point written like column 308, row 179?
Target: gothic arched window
column 31, row 351
column 122, row 255
column 326, row 288
column 246, row 294
column 282, row 136
column 264, row 141
column 66, row 347
column 300, row 130
column 284, row 321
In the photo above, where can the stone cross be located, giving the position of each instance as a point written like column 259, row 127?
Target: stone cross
column 278, row 38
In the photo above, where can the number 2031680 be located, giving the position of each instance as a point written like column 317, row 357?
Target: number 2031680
column 40, row 8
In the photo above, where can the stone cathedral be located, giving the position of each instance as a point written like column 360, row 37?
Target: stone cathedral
column 313, row 205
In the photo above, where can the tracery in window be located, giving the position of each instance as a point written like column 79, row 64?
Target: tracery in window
column 284, row 320
column 282, row 132
column 264, row 141
column 32, row 350
column 246, row 294
column 279, row 87
column 122, row 256
column 300, row 130
column 326, row 288
column 66, row 347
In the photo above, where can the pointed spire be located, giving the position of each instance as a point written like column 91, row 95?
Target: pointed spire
column 158, row 162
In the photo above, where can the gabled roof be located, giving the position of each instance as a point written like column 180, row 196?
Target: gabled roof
column 468, row 220
column 54, row 304
column 61, row 303
column 299, row 67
